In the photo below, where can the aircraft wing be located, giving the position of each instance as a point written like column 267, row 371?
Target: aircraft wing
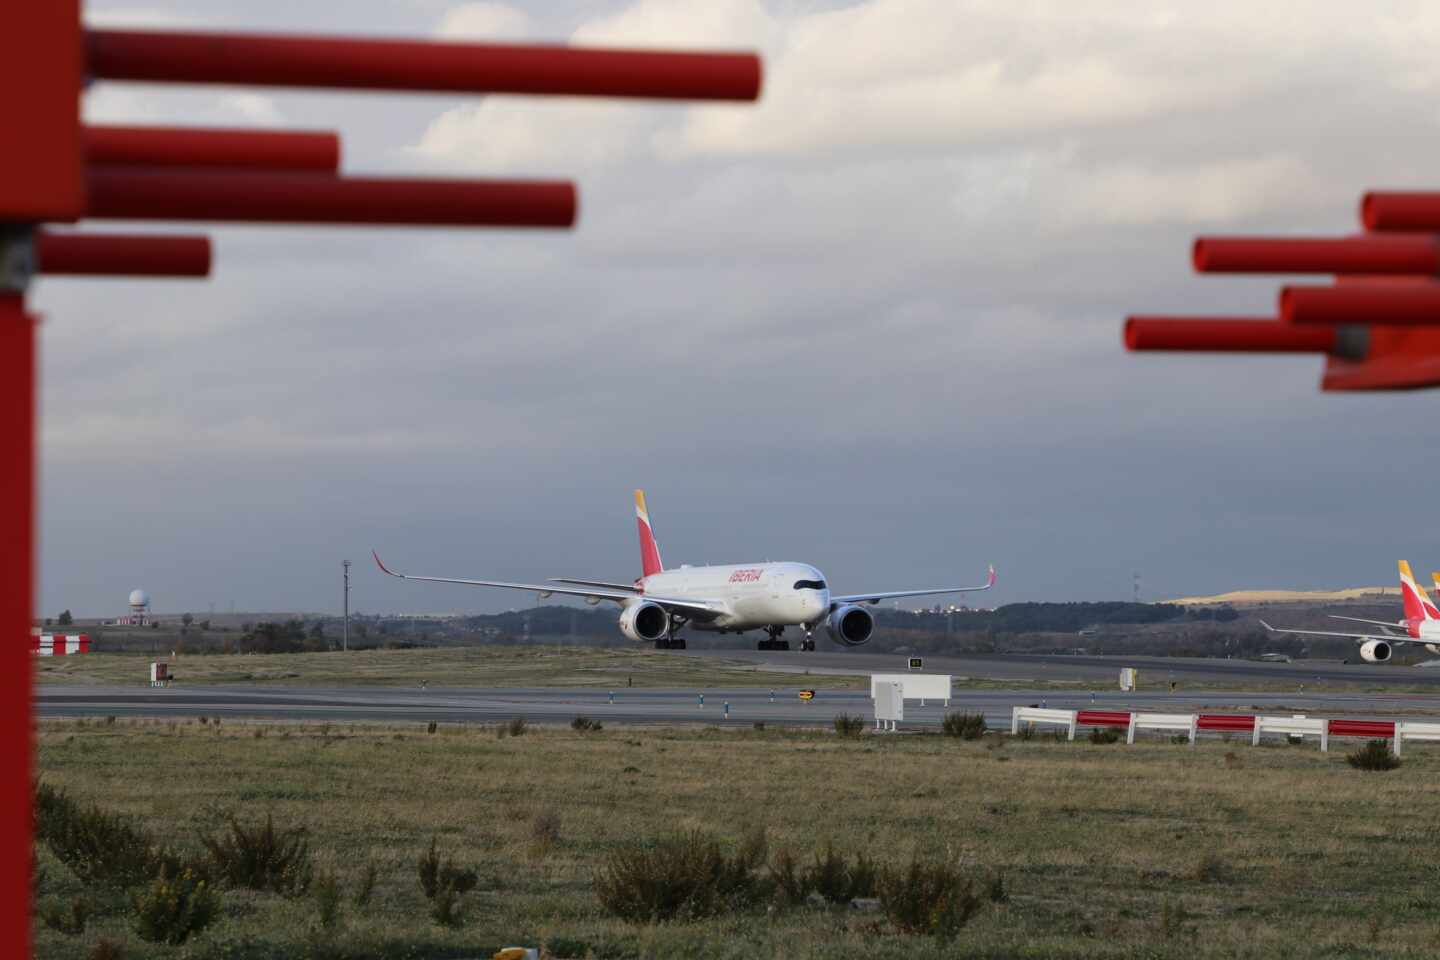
column 1376, row 623
column 897, row 594
column 703, row 609
column 594, row 583
column 1357, row 637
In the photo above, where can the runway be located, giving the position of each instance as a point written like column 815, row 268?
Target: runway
column 746, row 706
column 1030, row 667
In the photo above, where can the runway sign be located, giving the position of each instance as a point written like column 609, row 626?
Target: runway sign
column 1129, row 678
column 807, row 694
column 916, row 663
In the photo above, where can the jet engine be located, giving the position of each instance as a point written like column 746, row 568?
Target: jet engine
column 851, row 625
column 644, row 622
column 1375, row 651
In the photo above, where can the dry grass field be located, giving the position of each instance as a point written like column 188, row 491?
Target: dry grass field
column 1107, row 851
column 478, row 666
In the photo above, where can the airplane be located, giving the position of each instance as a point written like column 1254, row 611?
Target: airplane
column 732, row 598
column 1421, row 623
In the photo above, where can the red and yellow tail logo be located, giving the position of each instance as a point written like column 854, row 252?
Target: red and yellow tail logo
column 649, row 549
column 1417, row 601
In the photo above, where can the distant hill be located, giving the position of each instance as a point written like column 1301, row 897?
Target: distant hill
column 1257, row 597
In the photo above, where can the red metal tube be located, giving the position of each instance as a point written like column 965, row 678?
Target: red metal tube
column 1379, row 729
column 122, row 254
column 1225, row 721
column 1103, row 718
column 131, row 193
column 1396, row 254
column 17, row 579
column 418, row 65
column 1400, row 210
column 213, row 147
column 1398, row 304
column 1226, row 334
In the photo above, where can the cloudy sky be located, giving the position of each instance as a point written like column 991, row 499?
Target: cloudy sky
column 872, row 322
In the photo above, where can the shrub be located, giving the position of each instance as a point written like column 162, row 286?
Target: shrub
column 262, row 858
column 431, row 727
column 1104, row 735
column 367, row 885
column 966, row 726
column 586, row 724
column 107, row 949
column 682, row 876
column 516, row 727
column 545, row 829
column 849, row 725
column 997, row 892
column 445, row 907
column 98, row 847
column 791, row 884
column 927, row 898
column 1212, row 868
column 758, row 726
column 172, row 908
column 327, row 898
column 437, row 876
column 838, row 880
column 68, row 919
column 1375, row 755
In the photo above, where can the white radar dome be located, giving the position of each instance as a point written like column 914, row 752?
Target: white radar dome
column 139, row 598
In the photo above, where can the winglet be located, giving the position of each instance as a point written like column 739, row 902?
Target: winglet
column 990, row 580
column 1268, row 627
column 383, row 568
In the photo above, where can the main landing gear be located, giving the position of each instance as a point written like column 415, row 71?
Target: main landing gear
column 670, row 641
column 773, row 641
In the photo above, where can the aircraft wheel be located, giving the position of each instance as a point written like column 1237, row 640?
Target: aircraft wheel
column 678, row 643
column 782, row 644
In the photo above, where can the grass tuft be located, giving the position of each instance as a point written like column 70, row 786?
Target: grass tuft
column 1375, row 755
column 683, row 876
column 173, row 908
column 585, row 724
column 967, row 726
column 849, row 724
column 1104, row 735
column 261, row 857
column 927, row 898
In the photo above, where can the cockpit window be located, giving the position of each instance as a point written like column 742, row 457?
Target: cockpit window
column 809, row 584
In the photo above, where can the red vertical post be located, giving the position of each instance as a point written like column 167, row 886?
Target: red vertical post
column 17, row 586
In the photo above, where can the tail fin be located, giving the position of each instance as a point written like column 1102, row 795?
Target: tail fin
column 649, row 549
column 1417, row 601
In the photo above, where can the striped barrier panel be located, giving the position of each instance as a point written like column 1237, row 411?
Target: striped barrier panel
column 1414, row 730
column 1293, row 726
column 1064, row 718
column 59, row 645
column 1103, row 718
column 1372, row 729
column 1181, row 722
column 1225, row 721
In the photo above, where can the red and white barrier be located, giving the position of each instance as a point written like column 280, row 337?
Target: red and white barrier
column 59, row 644
column 1396, row 731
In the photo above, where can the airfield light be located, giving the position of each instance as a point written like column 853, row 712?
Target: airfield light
column 55, row 170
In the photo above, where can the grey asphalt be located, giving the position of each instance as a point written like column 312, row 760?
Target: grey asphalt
column 649, row 705
column 1020, row 667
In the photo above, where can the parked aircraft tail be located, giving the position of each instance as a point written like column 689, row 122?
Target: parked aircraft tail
column 1417, row 602
column 649, row 549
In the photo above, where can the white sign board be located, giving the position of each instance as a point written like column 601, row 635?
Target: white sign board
column 1129, row 678
column 889, row 703
column 914, row 686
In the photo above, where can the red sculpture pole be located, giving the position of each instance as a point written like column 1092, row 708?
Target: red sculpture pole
column 1371, row 254
column 1393, row 304
column 122, row 254
column 137, row 193
column 418, row 65
column 1397, row 210
column 17, row 558
column 1227, row 334
column 212, row 147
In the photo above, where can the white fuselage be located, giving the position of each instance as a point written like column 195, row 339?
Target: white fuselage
column 754, row 595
